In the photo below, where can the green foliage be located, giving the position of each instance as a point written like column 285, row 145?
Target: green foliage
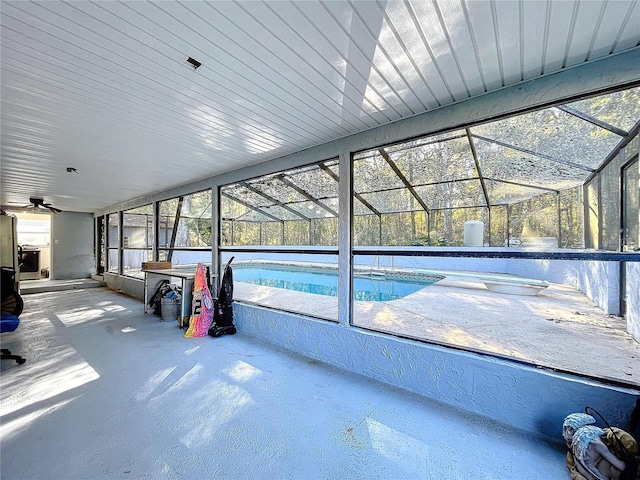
column 431, row 242
column 194, row 220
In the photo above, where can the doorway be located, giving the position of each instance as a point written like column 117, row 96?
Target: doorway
column 34, row 244
column 100, row 245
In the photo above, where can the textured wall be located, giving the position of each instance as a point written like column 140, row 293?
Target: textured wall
column 130, row 286
column 597, row 280
column 633, row 299
column 518, row 395
column 71, row 245
column 600, row 281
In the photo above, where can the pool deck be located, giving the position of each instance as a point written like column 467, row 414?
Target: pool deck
column 559, row 329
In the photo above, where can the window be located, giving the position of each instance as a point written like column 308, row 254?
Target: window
column 292, row 216
column 137, row 239
column 296, row 207
column 549, row 179
column 184, row 229
column 113, row 243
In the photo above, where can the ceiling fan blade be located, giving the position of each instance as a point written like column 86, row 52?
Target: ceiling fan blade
column 51, row 207
column 37, row 204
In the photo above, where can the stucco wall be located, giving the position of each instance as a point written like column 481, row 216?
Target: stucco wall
column 597, row 280
column 72, row 245
column 633, row 299
column 600, row 281
column 518, row 395
column 127, row 285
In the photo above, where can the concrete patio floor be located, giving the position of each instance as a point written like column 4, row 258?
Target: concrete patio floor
column 109, row 392
column 560, row 328
column 46, row 285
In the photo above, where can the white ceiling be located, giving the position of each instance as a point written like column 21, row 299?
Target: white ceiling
column 104, row 87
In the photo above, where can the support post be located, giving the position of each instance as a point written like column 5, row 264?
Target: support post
column 345, row 239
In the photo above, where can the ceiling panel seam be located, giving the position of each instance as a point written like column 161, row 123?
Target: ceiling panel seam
column 306, row 114
column 374, row 67
column 596, row 30
column 474, row 42
column 333, row 66
column 545, row 43
column 521, row 24
column 149, row 78
column 454, row 54
column 65, row 101
column 322, row 75
column 85, row 86
column 220, row 98
column 211, row 62
column 571, row 30
column 408, row 54
column 496, row 33
column 268, row 67
column 346, row 61
column 632, row 6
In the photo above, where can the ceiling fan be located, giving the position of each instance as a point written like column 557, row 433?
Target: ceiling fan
column 38, row 203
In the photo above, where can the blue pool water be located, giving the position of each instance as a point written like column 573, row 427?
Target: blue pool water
column 372, row 288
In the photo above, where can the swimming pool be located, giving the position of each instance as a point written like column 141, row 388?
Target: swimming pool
column 323, row 281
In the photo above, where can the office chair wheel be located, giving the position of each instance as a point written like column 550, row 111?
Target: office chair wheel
column 13, row 304
column 7, row 355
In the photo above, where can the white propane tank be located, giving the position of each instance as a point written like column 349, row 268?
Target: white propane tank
column 473, row 233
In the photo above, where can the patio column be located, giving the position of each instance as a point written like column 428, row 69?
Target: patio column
column 345, row 239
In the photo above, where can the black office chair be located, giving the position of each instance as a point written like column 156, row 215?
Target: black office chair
column 12, row 305
column 6, row 353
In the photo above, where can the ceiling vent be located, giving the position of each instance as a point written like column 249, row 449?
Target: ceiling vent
column 193, row 62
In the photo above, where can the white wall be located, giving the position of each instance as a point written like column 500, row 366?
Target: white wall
column 71, row 245
column 633, row 300
column 128, row 285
